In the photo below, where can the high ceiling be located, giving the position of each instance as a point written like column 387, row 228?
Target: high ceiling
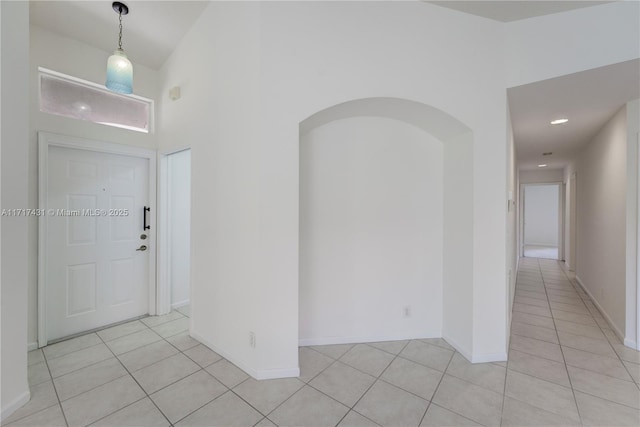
column 152, row 29
column 507, row 11
column 588, row 99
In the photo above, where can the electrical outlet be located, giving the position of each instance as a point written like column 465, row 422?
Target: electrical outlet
column 252, row 339
column 406, row 311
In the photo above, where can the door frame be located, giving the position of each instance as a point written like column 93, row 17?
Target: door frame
column 561, row 211
column 46, row 140
column 164, row 236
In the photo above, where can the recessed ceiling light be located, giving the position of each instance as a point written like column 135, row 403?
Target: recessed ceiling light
column 543, row 165
column 559, row 121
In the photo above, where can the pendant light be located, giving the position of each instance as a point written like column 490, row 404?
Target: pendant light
column 119, row 68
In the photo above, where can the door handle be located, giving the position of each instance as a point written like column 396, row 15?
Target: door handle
column 144, row 218
column 142, row 248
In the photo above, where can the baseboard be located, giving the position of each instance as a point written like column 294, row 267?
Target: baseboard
column 179, row 304
column 460, row 349
column 631, row 343
column 612, row 325
column 32, row 346
column 489, row 357
column 304, row 342
column 15, row 405
column 258, row 374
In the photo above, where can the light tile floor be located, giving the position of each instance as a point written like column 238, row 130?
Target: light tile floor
column 537, row 251
column 566, row 367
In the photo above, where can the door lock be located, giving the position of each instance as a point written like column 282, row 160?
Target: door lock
column 143, row 236
column 142, row 248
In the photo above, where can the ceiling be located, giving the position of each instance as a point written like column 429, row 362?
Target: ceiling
column 588, row 99
column 151, row 30
column 507, row 11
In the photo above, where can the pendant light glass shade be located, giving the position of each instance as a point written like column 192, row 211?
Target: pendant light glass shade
column 119, row 73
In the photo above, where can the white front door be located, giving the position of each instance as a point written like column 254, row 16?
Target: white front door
column 97, row 269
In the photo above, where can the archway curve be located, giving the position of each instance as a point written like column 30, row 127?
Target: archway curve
column 428, row 118
column 457, row 142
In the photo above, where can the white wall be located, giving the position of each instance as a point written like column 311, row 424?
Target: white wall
column 179, row 171
column 240, row 113
column 541, row 176
column 58, row 53
column 14, row 65
column 633, row 141
column 370, row 232
column 601, row 217
column 563, row 43
column 541, row 204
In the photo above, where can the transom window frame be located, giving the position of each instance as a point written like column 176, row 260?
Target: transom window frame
column 42, row 71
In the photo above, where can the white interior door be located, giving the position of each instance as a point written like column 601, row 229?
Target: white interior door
column 97, row 268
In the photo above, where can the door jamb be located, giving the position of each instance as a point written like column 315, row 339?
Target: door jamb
column 46, row 140
column 164, row 237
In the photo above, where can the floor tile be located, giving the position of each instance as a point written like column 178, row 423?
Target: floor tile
column 610, row 366
column 354, row 419
column 611, row 336
column 227, row 373
column 626, row 353
column 43, row 396
column 536, row 348
column 265, row 422
column 531, row 301
column 38, row 373
column 165, row 372
column 596, row 346
column 85, row 379
column 143, row 413
column 609, row 388
column 579, row 329
column 476, row 403
column 413, row 377
column 132, row 341
column 393, row 347
column 187, row 395
column 311, row 363
column 634, row 370
column 585, row 319
column 334, row 351
column 69, row 346
column 308, row 407
column 266, row 395
column 599, row 412
column 532, row 319
column 50, row 417
column 538, row 367
column 571, row 308
column 541, row 295
column 440, row 342
column 101, row 401
column 536, row 332
column 542, row 394
column 153, row 321
column 441, row 417
column 367, row 359
column 121, row 330
column 173, row 327
column 185, row 310
column 73, row 361
column 485, row 375
column 228, row 410
column 532, row 309
column 343, row 383
column 147, row 355
column 202, row 355
column 35, row 356
column 575, row 300
column 517, row 413
column 182, row 341
column 426, row 354
column 390, row 406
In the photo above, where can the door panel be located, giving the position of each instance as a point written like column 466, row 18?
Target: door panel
column 95, row 276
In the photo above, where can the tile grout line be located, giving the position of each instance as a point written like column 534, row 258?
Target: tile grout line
column 436, row 391
column 575, row 401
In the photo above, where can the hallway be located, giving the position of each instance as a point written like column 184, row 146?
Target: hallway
column 566, row 367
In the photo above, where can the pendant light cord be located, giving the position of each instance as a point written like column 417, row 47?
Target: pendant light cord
column 120, row 35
